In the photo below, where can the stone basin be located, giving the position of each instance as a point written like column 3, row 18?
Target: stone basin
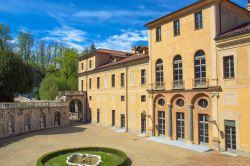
column 78, row 159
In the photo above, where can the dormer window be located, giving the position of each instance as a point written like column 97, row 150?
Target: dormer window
column 112, row 59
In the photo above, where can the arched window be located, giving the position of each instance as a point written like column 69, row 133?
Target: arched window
column 159, row 72
column 57, row 119
column 200, row 66
column 177, row 67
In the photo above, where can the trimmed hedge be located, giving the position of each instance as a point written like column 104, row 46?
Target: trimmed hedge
column 46, row 157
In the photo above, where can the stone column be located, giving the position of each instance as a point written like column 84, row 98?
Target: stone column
column 190, row 123
column 169, row 121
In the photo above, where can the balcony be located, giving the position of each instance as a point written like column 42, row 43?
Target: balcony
column 178, row 84
column 159, row 86
column 200, row 83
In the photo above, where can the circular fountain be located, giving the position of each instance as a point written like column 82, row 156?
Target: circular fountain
column 79, row 159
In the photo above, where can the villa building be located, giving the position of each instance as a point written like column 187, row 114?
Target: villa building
column 192, row 83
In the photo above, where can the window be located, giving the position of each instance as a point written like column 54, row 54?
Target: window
column 90, row 83
column 198, row 20
column 82, row 65
column 180, row 125
column 178, row 74
column 161, row 123
column 122, row 121
column 200, row 65
column 90, row 64
column 98, row 83
column 143, row 98
column 122, row 79
column 177, row 27
column 180, row 102
column 98, row 115
column 203, row 103
column 143, row 122
column 158, row 33
column 122, row 98
column 82, row 85
column 143, row 77
column 113, row 118
column 159, row 72
column 228, row 65
column 203, row 129
column 161, row 102
column 90, row 98
column 113, row 81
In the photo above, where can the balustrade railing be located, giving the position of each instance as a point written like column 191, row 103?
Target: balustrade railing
column 178, row 84
column 71, row 93
column 31, row 105
column 200, row 83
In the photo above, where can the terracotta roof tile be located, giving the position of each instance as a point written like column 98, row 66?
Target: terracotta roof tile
column 242, row 29
column 131, row 58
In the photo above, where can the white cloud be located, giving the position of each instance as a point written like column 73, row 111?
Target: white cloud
column 124, row 41
column 69, row 36
column 107, row 14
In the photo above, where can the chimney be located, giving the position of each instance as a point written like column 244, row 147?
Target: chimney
column 248, row 5
column 140, row 50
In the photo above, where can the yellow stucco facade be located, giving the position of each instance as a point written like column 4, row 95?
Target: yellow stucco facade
column 186, row 96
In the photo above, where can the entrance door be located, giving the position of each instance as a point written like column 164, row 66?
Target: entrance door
column 161, row 123
column 113, row 117
column 203, row 128
column 180, row 127
column 122, row 121
column 230, row 135
column 143, row 123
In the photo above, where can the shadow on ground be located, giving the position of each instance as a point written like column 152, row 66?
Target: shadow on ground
column 73, row 128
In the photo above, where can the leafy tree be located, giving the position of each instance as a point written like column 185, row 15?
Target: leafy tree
column 4, row 37
column 16, row 76
column 50, row 87
column 68, row 67
column 25, row 42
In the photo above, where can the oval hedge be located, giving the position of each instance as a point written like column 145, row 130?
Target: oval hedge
column 46, row 157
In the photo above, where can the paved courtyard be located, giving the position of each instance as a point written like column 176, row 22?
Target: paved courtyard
column 24, row 150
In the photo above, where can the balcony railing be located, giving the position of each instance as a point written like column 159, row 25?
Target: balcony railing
column 178, row 84
column 71, row 93
column 200, row 83
column 159, row 86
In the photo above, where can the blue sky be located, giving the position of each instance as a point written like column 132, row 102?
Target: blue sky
column 113, row 24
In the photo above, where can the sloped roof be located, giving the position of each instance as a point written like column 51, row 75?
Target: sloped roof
column 131, row 58
column 239, row 30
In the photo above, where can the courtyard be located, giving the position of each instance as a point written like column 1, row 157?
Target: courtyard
column 24, row 150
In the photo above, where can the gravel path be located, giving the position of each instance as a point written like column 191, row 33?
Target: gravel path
column 24, row 150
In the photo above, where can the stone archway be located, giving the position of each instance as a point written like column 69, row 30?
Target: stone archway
column 76, row 112
column 57, row 119
column 42, row 120
column 27, row 122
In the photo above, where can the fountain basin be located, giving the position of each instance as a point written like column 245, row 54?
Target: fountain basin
column 78, row 159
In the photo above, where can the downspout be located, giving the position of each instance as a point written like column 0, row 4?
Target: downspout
column 126, row 98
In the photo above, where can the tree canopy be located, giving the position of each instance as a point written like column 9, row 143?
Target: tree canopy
column 16, row 76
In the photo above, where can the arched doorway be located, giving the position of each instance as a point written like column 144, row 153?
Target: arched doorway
column 11, row 125
column 42, row 120
column 76, row 112
column 57, row 119
column 27, row 122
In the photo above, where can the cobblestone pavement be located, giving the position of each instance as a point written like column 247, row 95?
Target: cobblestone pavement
column 24, row 150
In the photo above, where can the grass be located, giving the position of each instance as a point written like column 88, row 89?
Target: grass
column 110, row 157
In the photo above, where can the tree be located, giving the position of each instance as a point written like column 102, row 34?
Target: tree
column 92, row 47
column 4, row 37
column 25, row 42
column 16, row 76
column 50, row 87
column 68, row 67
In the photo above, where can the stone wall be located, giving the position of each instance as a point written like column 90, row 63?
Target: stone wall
column 17, row 118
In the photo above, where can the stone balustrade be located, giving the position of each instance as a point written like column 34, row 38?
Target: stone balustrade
column 31, row 105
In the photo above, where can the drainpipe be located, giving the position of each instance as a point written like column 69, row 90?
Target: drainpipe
column 126, row 99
